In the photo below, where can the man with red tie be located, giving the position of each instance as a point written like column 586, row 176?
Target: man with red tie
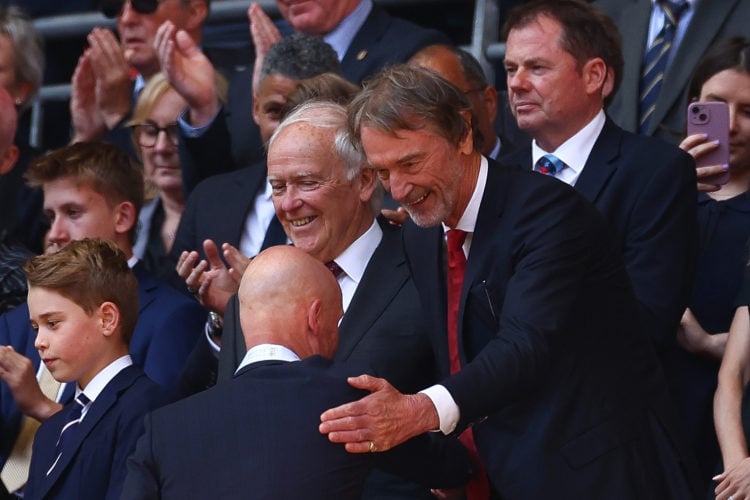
column 555, row 376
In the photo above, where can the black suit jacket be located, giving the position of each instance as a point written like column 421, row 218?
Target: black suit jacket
column 557, row 369
column 711, row 22
column 646, row 190
column 102, row 442
column 382, row 331
column 258, row 436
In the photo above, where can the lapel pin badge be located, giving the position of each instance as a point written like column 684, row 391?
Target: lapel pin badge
column 361, row 55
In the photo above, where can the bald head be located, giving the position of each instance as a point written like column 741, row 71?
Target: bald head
column 8, row 119
column 289, row 298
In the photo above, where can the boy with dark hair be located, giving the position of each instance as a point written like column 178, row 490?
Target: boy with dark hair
column 83, row 304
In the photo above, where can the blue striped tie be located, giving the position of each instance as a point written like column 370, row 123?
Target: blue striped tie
column 549, row 164
column 655, row 62
column 68, row 430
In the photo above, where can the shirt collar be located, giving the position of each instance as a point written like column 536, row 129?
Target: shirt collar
column 341, row 37
column 104, row 377
column 267, row 352
column 355, row 258
column 575, row 151
column 468, row 219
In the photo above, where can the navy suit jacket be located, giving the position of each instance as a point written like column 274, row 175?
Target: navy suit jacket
column 382, row 331
column 256, row 436
column 646, row 190
column 557, row 370
column 168, row 327
column 102, row 442
column 711, row 22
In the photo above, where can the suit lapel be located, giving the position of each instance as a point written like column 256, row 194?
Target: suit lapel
column 702, row 30
column 146, row 286
column 356, row 63
column 384, row 276
column 600, row 165
column 245, row 189
column 490, row 211
column 106, row 399
column 635, row 16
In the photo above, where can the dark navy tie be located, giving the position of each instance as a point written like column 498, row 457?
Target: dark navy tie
column 549, row 164
column 655, row 62
column 69, row 429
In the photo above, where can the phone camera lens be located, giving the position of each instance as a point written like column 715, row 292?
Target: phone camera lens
column 695, row 110
column 703, row 117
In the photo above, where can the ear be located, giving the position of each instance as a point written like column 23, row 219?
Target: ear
column 466, row 144
column 197, row 14
column 126, row 217
column 313, row 326
column 489, row 98
column 21, row 91
column 596, row 76
column 256, row 108
column 109, row 318
column 8, row 161
column 368, row 182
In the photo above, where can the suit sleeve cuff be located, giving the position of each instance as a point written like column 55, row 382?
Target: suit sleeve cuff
column 191, row 131
column 448, row 411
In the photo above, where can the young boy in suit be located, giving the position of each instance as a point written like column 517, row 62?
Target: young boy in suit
column 83, row 304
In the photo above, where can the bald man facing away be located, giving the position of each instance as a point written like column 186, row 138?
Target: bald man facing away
column 290, row 305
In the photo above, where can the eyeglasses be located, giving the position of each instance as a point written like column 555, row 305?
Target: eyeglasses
column 113, row 8
column 147, row 133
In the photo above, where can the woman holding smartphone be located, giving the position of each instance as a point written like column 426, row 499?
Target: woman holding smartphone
column 724, row 228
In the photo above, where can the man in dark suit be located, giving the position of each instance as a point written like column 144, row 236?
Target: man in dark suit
column 290, row 305
column 644, row 187
column 549, row 363
column 169, row 323
column 701, row 24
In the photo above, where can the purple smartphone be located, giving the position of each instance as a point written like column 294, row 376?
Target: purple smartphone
column 711, row 118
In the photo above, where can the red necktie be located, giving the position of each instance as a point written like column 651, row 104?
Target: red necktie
column 478, row 487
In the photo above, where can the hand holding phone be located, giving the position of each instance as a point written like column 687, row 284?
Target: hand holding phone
column 711, row 119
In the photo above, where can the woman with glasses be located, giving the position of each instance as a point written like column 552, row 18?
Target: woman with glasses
column 154, row 132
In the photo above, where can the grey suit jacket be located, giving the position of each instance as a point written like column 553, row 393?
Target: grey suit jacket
column 712, row 21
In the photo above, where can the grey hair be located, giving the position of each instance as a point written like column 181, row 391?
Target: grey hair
column 330, row 115
column 28, row 53
column 300, row 56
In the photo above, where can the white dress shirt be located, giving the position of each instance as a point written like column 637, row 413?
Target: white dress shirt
column 575, row 151
column 447, row 409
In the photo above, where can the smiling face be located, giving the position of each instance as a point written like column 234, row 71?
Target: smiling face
column 423, row 171
column 70, row 342
column 550, row 96
column 315, row 17
column 733, row 87
column 161, row 163
column 321, row 210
